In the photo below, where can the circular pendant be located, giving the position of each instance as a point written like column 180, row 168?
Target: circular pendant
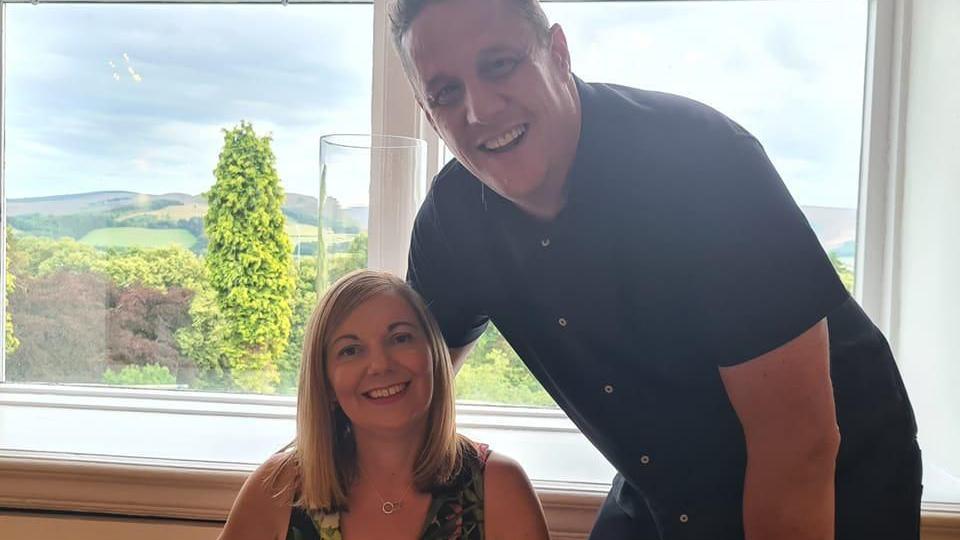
column 390, row 507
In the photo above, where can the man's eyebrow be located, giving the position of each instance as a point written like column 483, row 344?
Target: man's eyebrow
column 487, row 54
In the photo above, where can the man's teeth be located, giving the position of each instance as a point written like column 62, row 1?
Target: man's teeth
column 386, row 392
column 504, row 139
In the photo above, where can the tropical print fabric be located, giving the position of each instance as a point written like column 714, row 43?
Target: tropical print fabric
column 455, row 512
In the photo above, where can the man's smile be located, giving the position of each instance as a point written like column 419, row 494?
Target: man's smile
column 506, row 140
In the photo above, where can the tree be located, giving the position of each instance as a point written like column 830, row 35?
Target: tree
column 10, row 341
column 305, row 300
column 249, row 258
column 494, row 373
column 134, row 375
column 60, row 322
column 341, row 264
column 141, row 325
column 844, row 271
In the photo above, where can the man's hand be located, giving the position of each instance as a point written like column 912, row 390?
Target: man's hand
column 784, row 400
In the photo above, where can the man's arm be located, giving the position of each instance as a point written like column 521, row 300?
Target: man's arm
column 784, row 400
column 460, row 354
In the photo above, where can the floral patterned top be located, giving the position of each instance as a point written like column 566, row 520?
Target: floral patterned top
column 455, row 511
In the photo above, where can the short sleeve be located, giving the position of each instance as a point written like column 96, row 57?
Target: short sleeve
column 752, row 271
column 432, row 271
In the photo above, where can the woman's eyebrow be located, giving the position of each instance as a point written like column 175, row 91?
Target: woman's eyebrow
column 350, row 337
column 394, row 325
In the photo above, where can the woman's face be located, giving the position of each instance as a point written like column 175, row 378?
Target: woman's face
column 380, row 367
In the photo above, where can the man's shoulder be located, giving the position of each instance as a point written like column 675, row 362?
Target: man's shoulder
column 453, row 202
column 453, row 189
column 662, row 116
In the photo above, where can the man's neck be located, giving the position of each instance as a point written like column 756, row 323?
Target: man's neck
column 548, row 201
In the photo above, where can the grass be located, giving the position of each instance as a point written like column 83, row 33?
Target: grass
column 139, row 237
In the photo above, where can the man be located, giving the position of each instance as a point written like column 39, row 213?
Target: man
column 644, row 259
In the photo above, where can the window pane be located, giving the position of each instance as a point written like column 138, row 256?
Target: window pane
column 115, row 135
column 790, row 72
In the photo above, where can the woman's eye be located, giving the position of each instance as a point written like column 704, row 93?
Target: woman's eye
column 348, row 351
column 402, row 338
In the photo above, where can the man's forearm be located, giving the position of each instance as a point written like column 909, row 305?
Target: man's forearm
column 791, row 497
column 459, row 356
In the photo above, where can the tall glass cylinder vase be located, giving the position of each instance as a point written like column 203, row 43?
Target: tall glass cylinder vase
column 370, row 189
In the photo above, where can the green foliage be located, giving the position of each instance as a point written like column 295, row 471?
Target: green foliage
column 355, row 258
column 494, row 373
column 149, row 374
column 304, row 301
column 205, row 342
column 156, row 268
column 10, row 341
column 40, row 257
column 844, row 271
column 57, row 226
column 249, row 259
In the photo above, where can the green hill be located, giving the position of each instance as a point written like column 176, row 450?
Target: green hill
column 139, row 237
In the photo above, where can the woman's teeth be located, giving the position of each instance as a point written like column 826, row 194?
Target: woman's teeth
column 380, row 393
column 505, row 139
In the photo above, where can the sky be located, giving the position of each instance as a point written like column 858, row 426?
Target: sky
column 124, row 97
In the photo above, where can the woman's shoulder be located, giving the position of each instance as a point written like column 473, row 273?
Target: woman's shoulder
column 502, row 470
column 511, row 506
column 262, row 508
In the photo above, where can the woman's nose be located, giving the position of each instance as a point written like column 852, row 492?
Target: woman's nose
column 379, row 360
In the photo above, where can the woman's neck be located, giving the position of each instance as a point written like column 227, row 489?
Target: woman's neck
column 387, row 460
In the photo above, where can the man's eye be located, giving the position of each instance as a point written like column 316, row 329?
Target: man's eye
column 501, row 66
column 446, row 95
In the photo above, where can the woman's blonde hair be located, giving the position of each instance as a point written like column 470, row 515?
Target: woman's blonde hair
column 323, row 454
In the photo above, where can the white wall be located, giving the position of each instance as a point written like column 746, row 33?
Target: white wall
column 929, row 332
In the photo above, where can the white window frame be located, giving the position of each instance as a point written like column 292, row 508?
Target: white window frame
column 394, row 111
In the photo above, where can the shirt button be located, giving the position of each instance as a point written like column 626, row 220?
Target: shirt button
column 545, row 242
column 608, row 388
column 645, row 460
column 562, row 321
column 684, row 518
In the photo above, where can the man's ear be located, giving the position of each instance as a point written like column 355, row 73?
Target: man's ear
column 558, row 47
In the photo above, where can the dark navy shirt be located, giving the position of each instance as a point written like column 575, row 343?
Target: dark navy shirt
column 679, row 251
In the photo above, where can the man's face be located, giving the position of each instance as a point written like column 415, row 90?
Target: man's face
column 503, row 101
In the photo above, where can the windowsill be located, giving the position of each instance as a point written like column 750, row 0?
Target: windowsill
column 185, row 455
column 169, row 454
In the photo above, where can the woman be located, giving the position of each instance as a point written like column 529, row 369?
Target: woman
column 376, row 453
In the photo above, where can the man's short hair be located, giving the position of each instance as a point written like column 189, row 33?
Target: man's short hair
column 403, row 12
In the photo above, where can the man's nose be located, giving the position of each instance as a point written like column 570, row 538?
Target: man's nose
column 482, row 104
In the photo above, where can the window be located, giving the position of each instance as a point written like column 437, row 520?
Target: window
column 106, row 196
column 112, row 120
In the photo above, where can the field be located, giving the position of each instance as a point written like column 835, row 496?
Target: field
column 172, row 213
column 139, row 237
